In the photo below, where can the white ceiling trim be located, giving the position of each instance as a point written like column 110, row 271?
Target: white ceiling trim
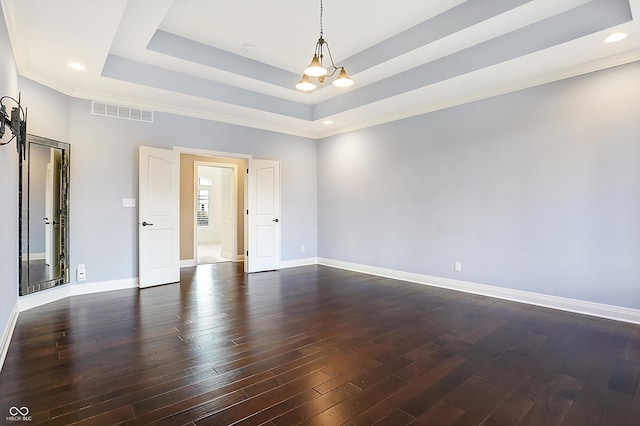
column 124, row 28
column 440, row 93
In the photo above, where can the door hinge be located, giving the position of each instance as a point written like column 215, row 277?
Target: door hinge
column 247, row 211
column 247, row 171
column 247, row 253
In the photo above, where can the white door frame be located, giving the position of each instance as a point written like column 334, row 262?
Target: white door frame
column 234, row 210
column 210, row 153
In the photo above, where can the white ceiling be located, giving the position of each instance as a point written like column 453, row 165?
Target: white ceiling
column 407, row 57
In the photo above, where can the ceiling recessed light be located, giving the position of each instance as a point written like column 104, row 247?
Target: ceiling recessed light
column 616, row 37
column 327, row 122
column 76, row 66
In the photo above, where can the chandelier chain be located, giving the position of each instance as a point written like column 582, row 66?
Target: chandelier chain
column 317, row 69
column 321, row 11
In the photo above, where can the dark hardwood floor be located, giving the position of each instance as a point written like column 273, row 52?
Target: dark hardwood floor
column 317, row 346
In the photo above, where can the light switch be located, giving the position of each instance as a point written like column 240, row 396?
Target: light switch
column 128, row 202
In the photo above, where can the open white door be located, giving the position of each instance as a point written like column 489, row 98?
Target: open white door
column 159, row 216
column 263, row 217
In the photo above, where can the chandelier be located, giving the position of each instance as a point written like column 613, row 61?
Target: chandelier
column 316, row 68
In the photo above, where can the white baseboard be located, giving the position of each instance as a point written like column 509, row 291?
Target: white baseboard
column 600, row 310
column 298, row 262
column 40, row 298
column 89, row 288
column 187, row 263
column 7, row 333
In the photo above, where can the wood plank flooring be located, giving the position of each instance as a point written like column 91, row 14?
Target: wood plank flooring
column 316, row 346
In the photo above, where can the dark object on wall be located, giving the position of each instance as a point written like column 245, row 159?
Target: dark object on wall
column 17, row 122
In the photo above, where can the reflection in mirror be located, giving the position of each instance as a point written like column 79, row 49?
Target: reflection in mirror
column 44, row 208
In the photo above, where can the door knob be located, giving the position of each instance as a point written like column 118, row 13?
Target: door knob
column 145, row 223
column 276, row 220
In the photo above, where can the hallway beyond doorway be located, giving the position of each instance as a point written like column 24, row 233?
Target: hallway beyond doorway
column 210, row 252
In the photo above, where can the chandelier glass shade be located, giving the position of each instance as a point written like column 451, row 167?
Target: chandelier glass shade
column 317, row 70
column 305, row 84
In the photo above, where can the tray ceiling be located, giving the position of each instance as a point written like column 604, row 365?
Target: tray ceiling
column 238, row 61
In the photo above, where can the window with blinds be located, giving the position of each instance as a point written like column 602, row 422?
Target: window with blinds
column 202, row 207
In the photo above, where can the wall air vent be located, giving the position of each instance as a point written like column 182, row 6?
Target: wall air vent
column 119, row 111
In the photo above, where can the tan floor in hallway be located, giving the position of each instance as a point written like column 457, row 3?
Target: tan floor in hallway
column 210, row 252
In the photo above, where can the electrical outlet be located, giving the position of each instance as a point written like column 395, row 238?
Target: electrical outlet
column 81, row 272
column 302, row 248
column 457, row 266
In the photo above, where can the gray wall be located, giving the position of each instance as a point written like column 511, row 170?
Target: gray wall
column 49, row 118
column 104, row 169
column 537, row 190
column 8, row 189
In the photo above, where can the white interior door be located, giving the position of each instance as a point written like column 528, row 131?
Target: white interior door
column 159, row 216
column 263, row 217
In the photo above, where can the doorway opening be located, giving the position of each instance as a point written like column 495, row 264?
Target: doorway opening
column 256, row 229
column 212, row 206
column 215, row 213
